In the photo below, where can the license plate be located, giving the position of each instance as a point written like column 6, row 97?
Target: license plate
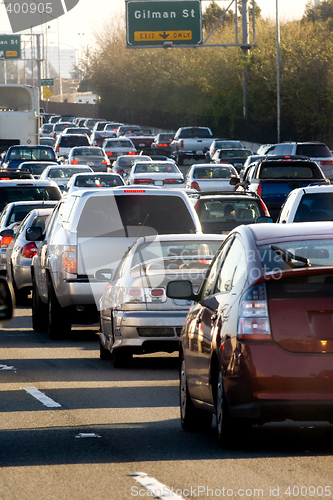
column 199, row 152
column 142, row 145
column 158, row 183
column 238, row 164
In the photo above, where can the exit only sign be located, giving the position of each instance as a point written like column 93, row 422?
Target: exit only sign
column 156, row 22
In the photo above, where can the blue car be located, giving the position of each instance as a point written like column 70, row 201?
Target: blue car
column 18, row 154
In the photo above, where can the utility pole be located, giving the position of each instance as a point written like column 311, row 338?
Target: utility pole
column 245, row 48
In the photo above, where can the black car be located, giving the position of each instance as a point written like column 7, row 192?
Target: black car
column 162, row 143
column 219, row 213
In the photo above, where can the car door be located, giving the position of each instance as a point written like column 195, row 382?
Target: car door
column 218, row 327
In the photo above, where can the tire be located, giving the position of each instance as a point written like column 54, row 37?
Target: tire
column 39, row 310
column 104, row 354
column 231, row 432
column 121, row 357
column 59, row 326
column 191, row 418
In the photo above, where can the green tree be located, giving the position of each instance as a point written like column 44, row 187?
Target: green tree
column 321, row 12
column 213, row 13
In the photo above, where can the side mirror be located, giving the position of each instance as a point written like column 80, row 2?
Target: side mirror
column 103, row 275
column 180, row 290
column 264, row 219
column 234, row 180
column 7, row 300
column 34, row 233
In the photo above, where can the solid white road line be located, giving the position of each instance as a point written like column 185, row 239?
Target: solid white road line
column 45, row 400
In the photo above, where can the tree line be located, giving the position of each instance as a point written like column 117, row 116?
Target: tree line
column 168, row 88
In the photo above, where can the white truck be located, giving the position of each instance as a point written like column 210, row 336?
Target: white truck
column 19, row 115
column 191, row 143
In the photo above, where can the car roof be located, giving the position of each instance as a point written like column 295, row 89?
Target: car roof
column 182, row 237
column 27, row 182
column 318, row 188
column 128, row 190
column 270, row 232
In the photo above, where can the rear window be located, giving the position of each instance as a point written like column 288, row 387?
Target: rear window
column 27, row 193
column 19, row 212
column 242, row 211
column 99, row 181
column 70, row 142
column 213, row 173
column 315, row 207
column 147, row 214
column 88, row 152
column 31, row 154
column 288, row 171
column 65, row 173
column 194, row 133
column 313, row 150
column 234, row 153
column 227, row 144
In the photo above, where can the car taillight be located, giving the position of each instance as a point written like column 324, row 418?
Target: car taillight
column 110, row 153
column 134, row 295
column 173, row 181
column 57, row 149
column 156, row 292
column 162, row 145
column 74, row 162
column 214, row 151
column 131, row 153
column 143, row 181
column 5, row 240
column 195, row 185
column 196, row 205
column 259, row 190
column 134, row 190
column 181, row 144
column 104, row 162
column 253, row 322
column 121, row 172
column 29, row 250
column 326, row 162
column 265, row 209
column 69, row 259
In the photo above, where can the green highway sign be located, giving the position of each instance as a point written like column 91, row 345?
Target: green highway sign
column 10, row 46
column 153, row 23
column 47, row 82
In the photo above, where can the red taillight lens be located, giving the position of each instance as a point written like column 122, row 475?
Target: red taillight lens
column 214, row 151
column 29, row 250
column 143, row 181
column 195, row 185
column 172, row 181
column 181, row 144
column 157, row 292
column 326, row 162
column 57, row 149
column 69, row 259
column 163, row 145
column 5, row 240
column 253, row 323
column 265, row 209
column 134, row 190
column 74, row 162
column 132, row 153
column 259, row 190
column 110, row 153
column 121, row 172
column 104, row 162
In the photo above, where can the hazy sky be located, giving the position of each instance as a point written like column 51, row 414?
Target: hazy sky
column 89, row 16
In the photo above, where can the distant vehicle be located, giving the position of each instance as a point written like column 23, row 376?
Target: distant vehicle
column 59, row 127
column 46, row 130
column 46, row 141
column 20, row 251
column 112, row 126
column 89, row 155
column 136, row 316
column 20, row 119
column 308, row 204
column 24, row 189
column 62, row 173
column 219, row 213
column 18, row 154
column 210, row 177
column 236, row 157
column 93, row 180
column 65, row 142
column 222, row 144
column 98, row 137
column 35, row 167
column 316, row 151
column 117, row 147
column 191, row 143
column 124, row 163
column 162, row 143
column 156, row 173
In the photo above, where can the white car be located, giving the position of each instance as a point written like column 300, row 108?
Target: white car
column 308, row 204
column 118, row 147
column 62, row 173
column 157, row 173
column 211, row 177
column 93, row 180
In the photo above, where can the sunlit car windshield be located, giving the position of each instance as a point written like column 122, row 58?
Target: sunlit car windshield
column 213, row 172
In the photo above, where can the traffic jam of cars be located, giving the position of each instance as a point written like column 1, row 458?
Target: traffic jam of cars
column 204, row 247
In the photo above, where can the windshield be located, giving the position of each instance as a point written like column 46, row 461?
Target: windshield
column 28, row 154
column 213, row 173
column 30, row 193
column 88, row 152
column 98, row 181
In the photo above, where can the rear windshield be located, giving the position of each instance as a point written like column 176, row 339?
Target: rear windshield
column 98, row 181
column 227, row 144
column 27, row 193
column 30, row 154
column 315, row 207
column 18, row 212
column 151, row 167
column 234, row 153
column 88, row 152
column 287, row 171
column 213, row 173
column 194, row 133
column 64, row 173
column 119, row 144
column 313, row 150
column 147, row 214
column 242, row 211
column 69, row 142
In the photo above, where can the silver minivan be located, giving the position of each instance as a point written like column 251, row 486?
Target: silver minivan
column 89, row 230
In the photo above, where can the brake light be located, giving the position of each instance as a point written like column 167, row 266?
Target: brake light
column 134, row 295
column 57, row 149
column 162, row 145
column 143, row 181
column 181, row 144
column 196, row 205
column 131, row 153
column 214, row 151
column 326, row 162
column 173, row 181
column 195, row 185
column 104, row 162
column 29, row 250
column 74, row 162
column 110, row 153
column 156, row 292
column 253, row 323
column 5, row 240
column 259, row 190
column 121, row 172
column 134, row 190
column 69, row 259
column 265, row 209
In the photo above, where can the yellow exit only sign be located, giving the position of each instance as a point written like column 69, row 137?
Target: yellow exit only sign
column 144, row 36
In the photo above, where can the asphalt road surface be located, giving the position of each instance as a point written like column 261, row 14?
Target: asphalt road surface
column 74, row 428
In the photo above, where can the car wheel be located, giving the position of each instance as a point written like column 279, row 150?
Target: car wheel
column 59, row 325
column 121, row 358
column 192, row 419
column 39, row 310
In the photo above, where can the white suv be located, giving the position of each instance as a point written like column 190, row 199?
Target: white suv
column 91, row 229
column 316, row 151
column 308, row 204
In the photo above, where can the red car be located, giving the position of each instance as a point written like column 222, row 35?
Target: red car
column 257, row 343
